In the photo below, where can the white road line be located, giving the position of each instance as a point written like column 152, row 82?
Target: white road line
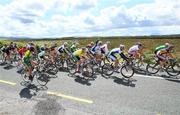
column 155, row 77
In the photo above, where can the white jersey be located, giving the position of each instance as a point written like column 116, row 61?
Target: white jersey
column 133, row 49
column 104, row 48
column 115, row 51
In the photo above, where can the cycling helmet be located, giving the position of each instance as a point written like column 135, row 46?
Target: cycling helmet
column 121, row 46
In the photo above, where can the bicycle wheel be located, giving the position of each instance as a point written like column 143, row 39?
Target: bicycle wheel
column 2, row 59
column 52, row 69
column 72, row 69
column 107, row 69
column 152, row 68
column 173, row 70
column 127, row 71
column 88, row 71
column 42, row 78
column 24, row 75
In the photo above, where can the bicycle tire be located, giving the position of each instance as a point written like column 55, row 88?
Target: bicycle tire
column 152, row 66
column 41, row 79
column 89, row 71
column 173, row 70
column 24, row 75
column 107, row 67
column 127, row 71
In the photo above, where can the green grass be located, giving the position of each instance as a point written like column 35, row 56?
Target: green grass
column 150, row 43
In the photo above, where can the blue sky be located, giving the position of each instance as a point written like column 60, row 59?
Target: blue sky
column 62, row 18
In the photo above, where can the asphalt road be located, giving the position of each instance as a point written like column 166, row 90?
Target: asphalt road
column 65, row 95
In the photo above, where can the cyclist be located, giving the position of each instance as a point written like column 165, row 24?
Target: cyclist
column 53, row 52
column 43, row 55
column 117, row 51
column 104, row 48
column 21, row 52
column 136, row 50
column 96, row 51
column 80, row 56
column 63, row 49
column 164, row 55
column 161, row 47
column 28, row 62
column 74, row 47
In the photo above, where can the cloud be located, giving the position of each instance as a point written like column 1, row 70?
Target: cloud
column 80, row 17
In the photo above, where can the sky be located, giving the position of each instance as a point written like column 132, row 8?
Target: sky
column 66, row 18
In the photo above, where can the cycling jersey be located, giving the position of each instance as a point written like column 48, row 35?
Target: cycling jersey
column 61, row 49
column 79, row 53
column 27, row 57
column 113, row 54
column 96, row 49
column 73, row 48
column 133, row 50
column 21, row 51
column 162, row 54
column 41, row 54
column 104, row 49
column 160, row 48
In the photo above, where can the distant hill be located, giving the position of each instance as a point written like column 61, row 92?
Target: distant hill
column 95, row 37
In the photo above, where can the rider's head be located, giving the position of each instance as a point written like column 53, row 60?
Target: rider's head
column 92, row 43
column 31, row 49
column 122, row 47
column 170, row 48
column 167, row 44
column 65, row 44
column 100, row 43
column 108, row 42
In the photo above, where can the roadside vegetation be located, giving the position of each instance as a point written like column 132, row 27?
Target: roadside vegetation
column 150, row 43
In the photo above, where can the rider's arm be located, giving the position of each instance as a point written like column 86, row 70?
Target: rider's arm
column 123, row 56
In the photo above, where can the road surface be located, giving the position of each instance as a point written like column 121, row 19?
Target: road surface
column 65, row 95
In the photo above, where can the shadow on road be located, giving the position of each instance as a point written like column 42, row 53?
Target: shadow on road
column 82, row 80
column 123, row 81
column 3, row 63
column 31, row 90
column 8, row 67
column 27, row 93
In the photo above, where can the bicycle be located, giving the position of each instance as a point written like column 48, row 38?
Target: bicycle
column 126, row 69
column 85, row 68
column 171, row 67
column 36, row 73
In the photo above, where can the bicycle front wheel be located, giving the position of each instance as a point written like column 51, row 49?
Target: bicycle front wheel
column 152, row 68
column 42, row 78
column 173, row 70
column 127, row 71
column 88, row 71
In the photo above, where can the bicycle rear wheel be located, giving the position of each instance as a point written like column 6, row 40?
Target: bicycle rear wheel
column 173, row 70
column 24, row 75
column 127, row 71
column 72, row 69
column 107, row 69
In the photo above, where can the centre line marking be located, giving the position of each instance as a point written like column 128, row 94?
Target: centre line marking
column 70, row 97
column 7, row 82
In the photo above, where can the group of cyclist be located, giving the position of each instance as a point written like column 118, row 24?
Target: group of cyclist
column 96, row 50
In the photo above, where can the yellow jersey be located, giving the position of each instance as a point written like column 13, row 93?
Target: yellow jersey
column 79, row 52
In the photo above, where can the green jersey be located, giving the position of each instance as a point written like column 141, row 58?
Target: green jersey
column 160, row 48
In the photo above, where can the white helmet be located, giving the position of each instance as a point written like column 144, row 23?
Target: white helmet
column 167, row 44
column 121, row 46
